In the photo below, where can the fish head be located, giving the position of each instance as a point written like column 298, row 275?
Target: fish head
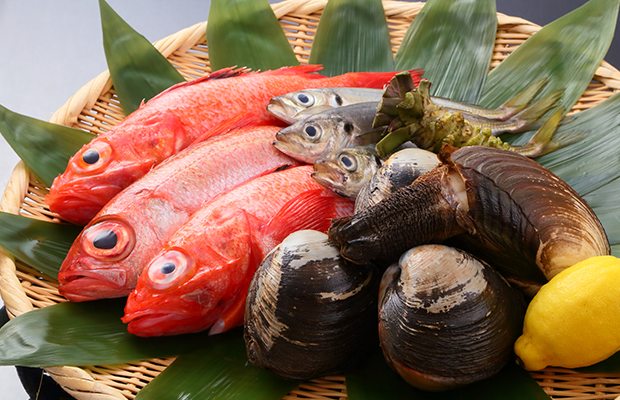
column 346, row 171
column 288, row 107
column 315, row 137
column 93, row 176
column 94, row 267
column 175, row 296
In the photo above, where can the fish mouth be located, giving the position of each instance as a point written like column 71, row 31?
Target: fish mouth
column 146, row 323
column 292, row 149
column 79, row 206
column 282, row 111
column 330, row 178
column 87, row 285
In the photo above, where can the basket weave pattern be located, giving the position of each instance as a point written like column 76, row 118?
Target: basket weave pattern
column 95, row 108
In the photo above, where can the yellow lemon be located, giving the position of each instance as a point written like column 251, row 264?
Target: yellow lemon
column 574, row 320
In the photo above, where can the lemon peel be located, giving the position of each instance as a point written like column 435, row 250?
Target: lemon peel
column 574, row 320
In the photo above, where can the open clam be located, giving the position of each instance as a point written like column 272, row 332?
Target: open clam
column 309, row 312
column 447, row 319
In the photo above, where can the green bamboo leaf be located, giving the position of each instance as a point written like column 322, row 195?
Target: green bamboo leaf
column 604, row 203
column 375, row 380
column 43, row 146
column 567, row 51
column 246, row 33
column 615, row 250
column 593, row 161
column 352, row 36
column 89, row 333
column 39, row 244
column 219, row 370
column 138, row 70
column 452, row 41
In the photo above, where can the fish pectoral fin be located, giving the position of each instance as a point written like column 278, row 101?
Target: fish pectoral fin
column 232, row 315
column 312, row 209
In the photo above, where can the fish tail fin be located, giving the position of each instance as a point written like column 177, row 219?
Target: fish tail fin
column 239, row 121
column 534, row 112
column 541, row 142
column 521, row 100
column 312, row 209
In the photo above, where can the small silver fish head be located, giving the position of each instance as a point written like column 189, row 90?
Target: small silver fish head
column 346, row 171
column 312, row 138
column 287, row 106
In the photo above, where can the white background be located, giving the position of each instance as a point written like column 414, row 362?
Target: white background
column 50, row 49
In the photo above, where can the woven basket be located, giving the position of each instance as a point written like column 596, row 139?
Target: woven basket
column 95, row 108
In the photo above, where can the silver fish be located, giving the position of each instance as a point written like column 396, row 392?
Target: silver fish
column 515, row 115
column 346, row 171
column 332, row 130
column 399, row 170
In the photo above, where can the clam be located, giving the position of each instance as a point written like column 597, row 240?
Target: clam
column 447, row 319
column 523, row 218
column 309, row 312
column 399, row 170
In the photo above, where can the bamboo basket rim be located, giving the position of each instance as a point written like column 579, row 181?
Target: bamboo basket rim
column 95, row 108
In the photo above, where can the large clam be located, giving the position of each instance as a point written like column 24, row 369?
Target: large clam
column 309, row 312
column 447, row 319
column 523, row 218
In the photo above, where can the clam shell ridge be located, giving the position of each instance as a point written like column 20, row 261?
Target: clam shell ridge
column 447, row 319
column 526, row 212
column 310, row 313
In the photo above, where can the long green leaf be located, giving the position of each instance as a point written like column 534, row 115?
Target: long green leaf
column 220, row 371
column 246, row 33
column 567, row 51
column 374, row 380
column 592, row 161
column 352, row 36
column 138, row 70
column 452, row 41
column 605, row 204
column 43, row 146
column 40, row 244
column 89, row 333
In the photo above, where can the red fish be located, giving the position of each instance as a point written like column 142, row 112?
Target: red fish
column 201, row 276
column 170, row 122
column 108, row 256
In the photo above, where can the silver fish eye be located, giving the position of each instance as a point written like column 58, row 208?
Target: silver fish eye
column 312, row 132
column 304, row 99
column 348, row 162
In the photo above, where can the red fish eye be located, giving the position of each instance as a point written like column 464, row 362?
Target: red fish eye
column 92, row 157
column 109, row 240
column 169, row 269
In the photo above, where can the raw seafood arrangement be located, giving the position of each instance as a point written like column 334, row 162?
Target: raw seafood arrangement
column 416, row 228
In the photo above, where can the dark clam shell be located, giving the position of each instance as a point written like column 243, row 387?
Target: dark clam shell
column 399, row 170
column 447, row 319
column 310, row 313
column 502, row 205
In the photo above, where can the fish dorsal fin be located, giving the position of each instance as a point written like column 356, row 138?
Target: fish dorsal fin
column 312, row 209
column 297, row 70
column 219, row 74
column 239, row 121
